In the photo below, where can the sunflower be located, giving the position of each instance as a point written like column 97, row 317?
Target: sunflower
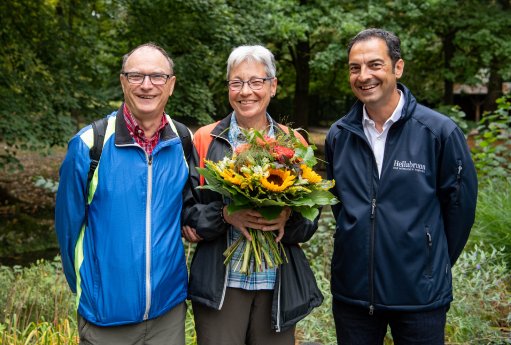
column 231, row 176
column 278, row 180
column 309, row 174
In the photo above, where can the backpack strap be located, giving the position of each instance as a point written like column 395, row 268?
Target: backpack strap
column 98, row 130
column 186, row 137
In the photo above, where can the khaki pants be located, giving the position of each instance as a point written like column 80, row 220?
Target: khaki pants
column 245, row 318
column 168, row 329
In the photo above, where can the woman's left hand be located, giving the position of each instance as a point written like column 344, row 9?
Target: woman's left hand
column 277, row 223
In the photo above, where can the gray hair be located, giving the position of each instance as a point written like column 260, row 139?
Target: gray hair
column 255, row 53
column 153, row 46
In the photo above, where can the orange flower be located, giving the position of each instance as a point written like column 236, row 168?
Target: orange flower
column 242, row 148
column 281, row 151
column 266, row 141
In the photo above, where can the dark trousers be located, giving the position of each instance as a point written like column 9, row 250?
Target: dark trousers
column 354, row 326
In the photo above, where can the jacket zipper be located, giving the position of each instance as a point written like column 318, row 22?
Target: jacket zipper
column 278, row 302
column 371, row 262
column 458, row 181
column 225, row 279
column 227, row 236
column 429, row 243
column 148, row 237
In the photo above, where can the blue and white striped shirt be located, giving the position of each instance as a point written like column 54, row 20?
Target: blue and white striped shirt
column 257, row 280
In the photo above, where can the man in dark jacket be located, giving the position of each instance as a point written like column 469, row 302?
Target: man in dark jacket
column 408, row 191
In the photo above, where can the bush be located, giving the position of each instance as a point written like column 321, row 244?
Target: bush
column 493, row 218
column 482, row 302
column 39, row 308
column 491, row 152
column 319, row 325
column 39, row 292
column 36, row 302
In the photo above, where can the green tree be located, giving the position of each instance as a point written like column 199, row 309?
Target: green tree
column 446, row 43
column 198, row 35
column 53, row 67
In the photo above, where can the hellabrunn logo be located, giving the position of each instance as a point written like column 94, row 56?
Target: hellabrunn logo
column 409, row 166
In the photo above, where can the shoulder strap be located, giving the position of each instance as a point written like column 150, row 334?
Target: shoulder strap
column 98, row 130
column 186, row 137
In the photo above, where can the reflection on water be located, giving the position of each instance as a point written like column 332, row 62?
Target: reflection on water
column 25, row 259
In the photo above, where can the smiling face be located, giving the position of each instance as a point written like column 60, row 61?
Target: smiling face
column 250, row 105
column 147, row 101
column 373, row 79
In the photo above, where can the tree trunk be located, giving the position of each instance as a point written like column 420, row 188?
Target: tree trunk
column 301, row 100
column 494, row 88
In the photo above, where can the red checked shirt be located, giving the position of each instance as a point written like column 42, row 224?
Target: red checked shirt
column 148, row 144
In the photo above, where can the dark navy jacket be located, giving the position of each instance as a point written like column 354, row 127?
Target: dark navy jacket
column 398, row 235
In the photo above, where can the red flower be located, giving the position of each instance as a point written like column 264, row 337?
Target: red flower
column 282, row 152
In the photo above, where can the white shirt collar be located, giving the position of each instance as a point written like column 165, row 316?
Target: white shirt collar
column 396, row 115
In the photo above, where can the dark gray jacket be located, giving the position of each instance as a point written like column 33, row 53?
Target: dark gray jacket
column 295, row 292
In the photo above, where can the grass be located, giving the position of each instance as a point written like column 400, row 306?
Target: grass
column 493, row 215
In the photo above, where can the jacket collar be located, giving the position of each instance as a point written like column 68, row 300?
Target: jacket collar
column 353, row 120
column 222, row 128
column 123, row 137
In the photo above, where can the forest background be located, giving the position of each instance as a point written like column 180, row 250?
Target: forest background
column 59, row 69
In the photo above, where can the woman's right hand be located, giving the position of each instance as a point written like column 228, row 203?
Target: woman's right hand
column 242, row 220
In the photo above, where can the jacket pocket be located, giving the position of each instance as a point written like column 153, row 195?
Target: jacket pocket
column 428, row 270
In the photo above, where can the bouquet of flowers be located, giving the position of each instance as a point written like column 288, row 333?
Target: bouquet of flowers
column 267, row 174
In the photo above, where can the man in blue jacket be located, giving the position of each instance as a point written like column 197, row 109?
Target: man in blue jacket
column 124, row 257
column 408, row 191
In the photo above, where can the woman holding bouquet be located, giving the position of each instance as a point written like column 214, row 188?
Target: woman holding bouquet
column 231, row 307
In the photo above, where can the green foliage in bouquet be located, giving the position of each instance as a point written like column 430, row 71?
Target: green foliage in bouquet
column 267, row 174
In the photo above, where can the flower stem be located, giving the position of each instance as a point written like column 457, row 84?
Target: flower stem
column 246, row 258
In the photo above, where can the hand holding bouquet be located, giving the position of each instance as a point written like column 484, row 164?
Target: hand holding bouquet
column 267, row 174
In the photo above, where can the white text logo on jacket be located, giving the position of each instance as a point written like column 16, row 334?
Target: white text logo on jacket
column 409, row 166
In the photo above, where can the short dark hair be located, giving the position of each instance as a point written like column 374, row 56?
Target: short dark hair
column 149, row 45
column 393, row 42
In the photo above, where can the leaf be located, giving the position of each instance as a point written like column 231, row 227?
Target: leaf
column 231, row 208
column 309, row 213
column 270, row 212
column 317, row 198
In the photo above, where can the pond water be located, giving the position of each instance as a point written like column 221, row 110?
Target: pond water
column 28, row 258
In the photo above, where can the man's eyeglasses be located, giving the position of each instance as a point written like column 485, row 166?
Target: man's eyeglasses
column 254, row 83
column 138, row 78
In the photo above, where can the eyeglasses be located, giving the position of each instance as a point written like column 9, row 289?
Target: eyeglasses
column 372, row 67
column 138, row 78
column 254, row 83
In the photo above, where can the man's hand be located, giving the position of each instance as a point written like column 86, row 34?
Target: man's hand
column 190, row 234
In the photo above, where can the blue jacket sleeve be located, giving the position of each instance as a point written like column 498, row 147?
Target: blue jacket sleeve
column 457, row 192
column 70, row 204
